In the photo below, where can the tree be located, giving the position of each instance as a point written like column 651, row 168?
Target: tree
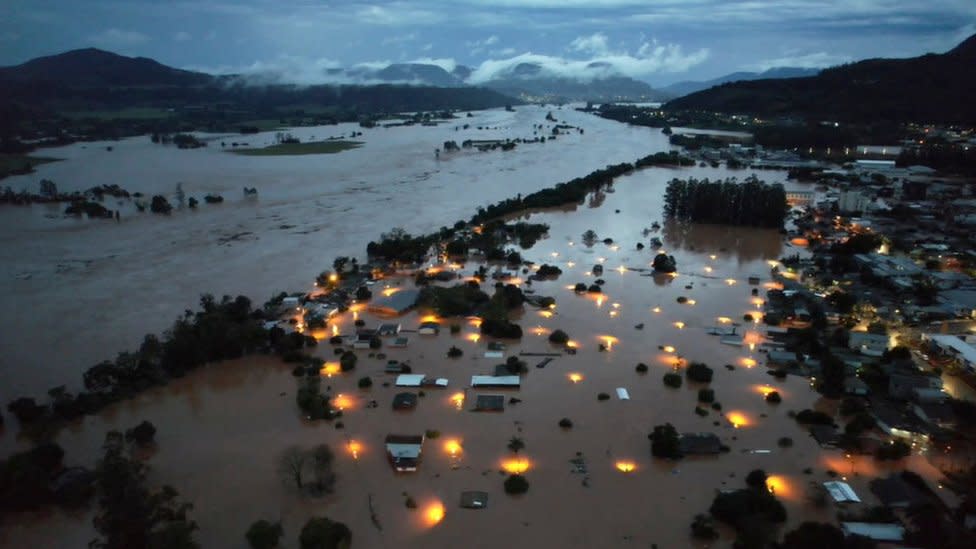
column 264, row 535
column 291, row 465
column 894, row 451
column 664, row 263
column 322, row 459
column 348, row 361
column 756, row 479
column 515, row 444
column 516, row 484
column 131, row 515
column 814, row 535
column 141, row 434
column 702, row 528
column 558, row 337
column 323, row 533
column 159, row 204
column 700, row 372
column 834, row 371
column 665, row 442
column 48, row 188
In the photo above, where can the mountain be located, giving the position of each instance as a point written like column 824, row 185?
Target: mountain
column 929, row 88
column 419, row 73
column 527, row 81
column 532, row 82
column 686, row 87
column 90, row 94
column 92, row 68
column 561, row 89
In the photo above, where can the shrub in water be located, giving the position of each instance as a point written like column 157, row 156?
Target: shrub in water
column 516, row 484
column 672, row 380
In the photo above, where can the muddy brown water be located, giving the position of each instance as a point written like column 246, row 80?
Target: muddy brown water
column 221, row 429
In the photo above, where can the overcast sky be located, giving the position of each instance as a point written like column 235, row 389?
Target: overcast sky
column 659, row 41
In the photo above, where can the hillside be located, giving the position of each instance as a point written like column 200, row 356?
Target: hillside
column 930, row 88
column 680, row 89
column 94, row 79
column 91, row 94
column 93, row 68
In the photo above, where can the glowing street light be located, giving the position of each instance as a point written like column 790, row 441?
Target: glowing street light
column 626, row 466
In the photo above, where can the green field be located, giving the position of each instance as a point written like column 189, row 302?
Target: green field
column 15, row 164
column 292, row 149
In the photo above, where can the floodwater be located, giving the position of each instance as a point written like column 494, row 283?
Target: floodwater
column 221, row 429
column 76, row 291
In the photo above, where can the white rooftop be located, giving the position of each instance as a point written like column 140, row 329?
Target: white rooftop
column 841, row 491
column 967, row 351
column 495, row 381
column 875, row 531
column 403, row 450
column 409, row 380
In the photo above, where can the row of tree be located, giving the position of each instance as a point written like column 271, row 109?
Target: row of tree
column 750, row 203
column 220, row 330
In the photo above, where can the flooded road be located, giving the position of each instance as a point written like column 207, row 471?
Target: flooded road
column 221, row 429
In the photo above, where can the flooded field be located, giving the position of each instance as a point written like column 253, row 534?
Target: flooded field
column 221, row 429
column 76, row 291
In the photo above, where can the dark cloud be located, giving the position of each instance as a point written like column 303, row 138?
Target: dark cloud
column 700, row 38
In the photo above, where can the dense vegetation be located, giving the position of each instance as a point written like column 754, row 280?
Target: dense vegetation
column 665, row 442
column 575, row 190
column 941, row 156
column 130, row 514
column 751, row 202
column 930, row 88
column 753, row 511
column 220, row 330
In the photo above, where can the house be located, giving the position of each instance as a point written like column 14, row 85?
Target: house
column 781, row 358
column 396, row 367
column 389, row 329
column 399, row 342
column 404, row 451
column 853, row 201
column 841, row 492
column 898, row 492
column 958, row 348
column 699, row 444
column 429, row 328
column 936, row 414
column 474, row 500
column 901, row 385
column 867, row 343
column 928, row 395
column 961, row 303
column 825, row 435
column 364, row 338
column 496, row 381
column 290, row 303
column 874, row 530
column 395, row 304
column 854, row 385
column 404, row 401
column 898, row 423
column 489, row 403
